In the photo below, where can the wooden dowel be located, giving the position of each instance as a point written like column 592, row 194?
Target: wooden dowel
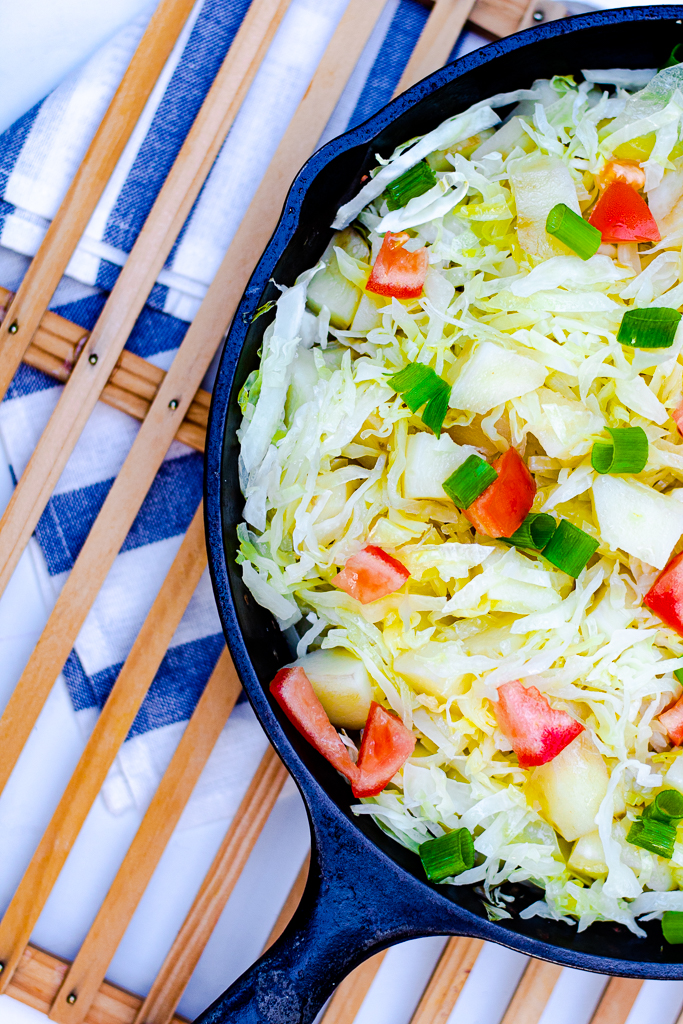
column 111, row 729
column 445, row 23
column 223, row 875
column 87, row 972
column 617, row 1001
column 348, row 998
column 71, row 219
column 291, row 903
column 163, row 224
column 532, row 993
column 445, row 984
column 39, row 975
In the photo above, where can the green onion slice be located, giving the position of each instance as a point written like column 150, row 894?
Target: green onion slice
column 570, row 548
column 535, row 532
column 654, row 327
column 574, row 231
column 656, row 836
column 672, row 926
column 674, row 57
column 419, row 385
column 627, row 453
column 448, row 855
column 469, row 481
column 667, row 806
column 413, row 182
column 678, row 672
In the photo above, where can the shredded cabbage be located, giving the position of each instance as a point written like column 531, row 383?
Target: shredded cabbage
column 525, row 334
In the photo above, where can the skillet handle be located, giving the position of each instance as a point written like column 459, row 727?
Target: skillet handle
column 356, row 902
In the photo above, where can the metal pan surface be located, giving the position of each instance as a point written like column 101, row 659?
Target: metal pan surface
column 365, row 892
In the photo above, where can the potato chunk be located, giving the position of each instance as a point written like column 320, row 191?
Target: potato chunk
column 341, row 684
column 570, row 788
column 588, row 856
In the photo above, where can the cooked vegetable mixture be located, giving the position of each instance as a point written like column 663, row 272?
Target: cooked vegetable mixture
column 463, row 471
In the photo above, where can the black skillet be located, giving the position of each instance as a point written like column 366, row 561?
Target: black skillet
column 365, row 892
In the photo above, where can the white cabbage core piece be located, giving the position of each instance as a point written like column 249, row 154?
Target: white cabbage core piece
column 570, row 788
column 492, row 376
column 637, row 519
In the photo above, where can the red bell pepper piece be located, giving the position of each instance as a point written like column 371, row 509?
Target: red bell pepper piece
column 371, row 574
column 396, row 271
column 537, row 732
column 292, row 689
column 665, row 596
column 677, row 417
column 505, row 503
column 385, row 747
column 622, row 215
column 672, row 720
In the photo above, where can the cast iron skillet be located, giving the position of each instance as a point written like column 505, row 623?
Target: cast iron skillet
column 365, row 892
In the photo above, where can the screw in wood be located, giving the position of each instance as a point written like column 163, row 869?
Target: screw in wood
column 538, row 15
column 71, row 998
column 2, row 967
column 13, row 327
column 92, row 358
column 173, row 404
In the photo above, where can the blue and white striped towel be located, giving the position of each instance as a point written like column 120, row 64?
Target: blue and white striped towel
column 38, row 157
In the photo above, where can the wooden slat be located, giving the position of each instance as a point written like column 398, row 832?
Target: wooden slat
column 445, row 984
column 223, row 875
column 437, row 39
column 83, row 981
column 291, row 903
column 39, row 975
column 110, row 731
column 136, row 279
column 617, row 1001
column 532, row 993
column 70, row 221
column 348, row 998
column 498, row 17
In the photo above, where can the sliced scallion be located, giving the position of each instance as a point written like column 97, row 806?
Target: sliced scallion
column 654, row 327
column 570, row 548
column 672, row 926
column 667, row 806
column 535, row 532
column 413, row 182
column 626, row 454
column 419, row 385
column 469, row 481
column 678, row 672
column 574, row 231
column 656, row 836
column 448, row 855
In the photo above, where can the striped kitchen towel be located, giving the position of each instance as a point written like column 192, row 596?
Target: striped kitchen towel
column 38, row 157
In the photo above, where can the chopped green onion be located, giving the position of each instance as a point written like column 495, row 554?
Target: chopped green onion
column 448, row 855
column 654, row 327
column 436, row 409
column 469, row 481
column 672, row 926
column 678, row 672
column 535, row 532
column 674, row 58
column 574, row 231
column 413, row 182
column 667, row 806
column 570, row 548
column 627, row 453
column 656, row 836
column 421, row 385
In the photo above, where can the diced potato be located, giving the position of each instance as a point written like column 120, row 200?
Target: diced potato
column 492, row 376
column 342, row 685
column 539, row 182
column 429, row 461
column 429, row 670
column 638, row 519
column 330, row 288
column 570, row 788
column 588, row 856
